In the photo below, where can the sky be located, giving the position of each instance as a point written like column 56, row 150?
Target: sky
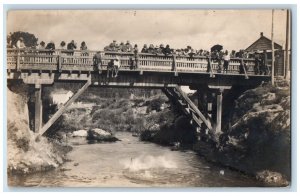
column 234, row 29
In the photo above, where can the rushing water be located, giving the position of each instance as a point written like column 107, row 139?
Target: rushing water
column 132, row 163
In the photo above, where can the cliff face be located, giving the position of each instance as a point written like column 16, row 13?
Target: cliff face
column 25, row 151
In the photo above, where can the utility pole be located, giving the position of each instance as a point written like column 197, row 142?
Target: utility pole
column 272, row 38
column 287, row 63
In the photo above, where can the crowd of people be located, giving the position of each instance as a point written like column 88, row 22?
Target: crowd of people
column 222, row 58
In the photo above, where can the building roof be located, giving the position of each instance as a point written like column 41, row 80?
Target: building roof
column 263, row 43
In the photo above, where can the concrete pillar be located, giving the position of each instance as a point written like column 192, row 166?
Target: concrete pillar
column 38, row 108
column 219, row 111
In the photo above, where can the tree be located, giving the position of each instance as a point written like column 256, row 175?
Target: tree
column 30, row 40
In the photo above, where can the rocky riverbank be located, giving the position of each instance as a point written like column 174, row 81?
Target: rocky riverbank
column 26, row 151
column 259, row 142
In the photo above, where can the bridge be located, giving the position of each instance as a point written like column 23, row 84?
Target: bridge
column 45, row 67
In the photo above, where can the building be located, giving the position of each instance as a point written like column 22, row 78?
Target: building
column 265, row 44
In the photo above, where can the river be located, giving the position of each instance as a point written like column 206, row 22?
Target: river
column 133, row 163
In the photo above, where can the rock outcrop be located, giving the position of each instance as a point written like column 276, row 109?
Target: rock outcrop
column 260, row 140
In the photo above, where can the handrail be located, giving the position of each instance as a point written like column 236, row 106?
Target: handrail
column 65, row 59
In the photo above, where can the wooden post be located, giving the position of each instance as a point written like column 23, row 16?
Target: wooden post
column 18, row 61
column 59, row 63
column 219, row 111
column 38, row 108
column 286, row 71
column 174, row 64
column 272, row 39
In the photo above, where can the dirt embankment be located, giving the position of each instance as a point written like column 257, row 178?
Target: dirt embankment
column 27, row 153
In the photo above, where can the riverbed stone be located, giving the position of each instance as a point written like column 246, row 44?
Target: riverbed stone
column 100, row 135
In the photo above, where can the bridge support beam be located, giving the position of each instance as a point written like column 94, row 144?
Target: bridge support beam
column 64, row 107
column 38, row 108
column 218, row 101
column 219, row 111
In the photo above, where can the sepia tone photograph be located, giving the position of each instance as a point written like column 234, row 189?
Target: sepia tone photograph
column 148, row 98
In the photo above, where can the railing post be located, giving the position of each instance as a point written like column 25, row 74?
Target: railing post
column 209, row 66
column 59, row 62
column 18, row 60
column 174, row 68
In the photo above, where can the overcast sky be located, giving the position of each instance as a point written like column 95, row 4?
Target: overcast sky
column 199, row 28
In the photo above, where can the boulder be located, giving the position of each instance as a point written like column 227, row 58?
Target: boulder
column 100, row 135
column 80, row 133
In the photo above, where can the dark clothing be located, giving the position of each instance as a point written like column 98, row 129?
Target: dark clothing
column 256, row 65
column 167, row 51
column 144, row 50
column 83, row 47
column 71, row 46
column 50, row 46
column 97, row 58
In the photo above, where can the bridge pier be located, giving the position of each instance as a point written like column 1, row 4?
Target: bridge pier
column 219, row 111
column 38, row 109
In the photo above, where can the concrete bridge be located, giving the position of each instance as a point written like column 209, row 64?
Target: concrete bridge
column 43, row 67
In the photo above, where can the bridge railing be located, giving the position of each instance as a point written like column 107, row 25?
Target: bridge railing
column 79, row 60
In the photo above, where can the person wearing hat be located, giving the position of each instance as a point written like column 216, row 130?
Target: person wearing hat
column 42, row 45
column 20, row 43
column 144, row 49
column 113, row 46
column 160, row 49
column 129, row 46
column 84, row 52
column 50, row 46
column 167, row 50
column 151, row 49
column 123, row 47
column 71, row 47
column 62, row 45
column 83, row 46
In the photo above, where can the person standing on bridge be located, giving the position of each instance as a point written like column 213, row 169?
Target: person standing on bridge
column 167, row 50
column 50, row 50
column 256, row 63
column 144, row 49
column 62, row 45
column 97, row 61
column 84, row 52
column 136, row 56
column 50, row 46
column 71, row 47
column 226, row 59
column 20, row 43
column 42, row 45
column 128, row 46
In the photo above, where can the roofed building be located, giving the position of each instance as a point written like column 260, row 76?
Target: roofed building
column 265, row 44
